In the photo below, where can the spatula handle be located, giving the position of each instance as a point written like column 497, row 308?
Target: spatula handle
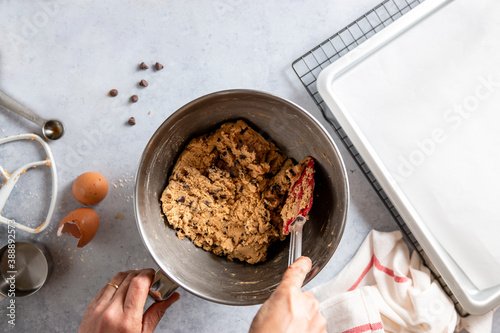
column 296, row 239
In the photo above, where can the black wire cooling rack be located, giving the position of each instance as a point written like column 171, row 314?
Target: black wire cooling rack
column 308, row 67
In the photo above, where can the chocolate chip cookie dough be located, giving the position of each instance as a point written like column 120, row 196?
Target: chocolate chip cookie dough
column 227, row 190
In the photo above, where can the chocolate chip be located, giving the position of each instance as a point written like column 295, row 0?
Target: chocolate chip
column 134, row 98
column 186, row 187
column 143, row 83
column 233, row 172
column 113, row 93
column 143, row 66
column 181, row 200
column 243, row 156
column 207, row 203
column 243, row 130
column 131, row 121
column 158, row 66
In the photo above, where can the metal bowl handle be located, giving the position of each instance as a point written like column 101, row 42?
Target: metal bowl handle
column 162, row 286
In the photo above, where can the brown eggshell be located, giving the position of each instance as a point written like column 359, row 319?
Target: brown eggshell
column 90, row 188
column 82, row 223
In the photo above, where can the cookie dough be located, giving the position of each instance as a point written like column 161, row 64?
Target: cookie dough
column 227, row 190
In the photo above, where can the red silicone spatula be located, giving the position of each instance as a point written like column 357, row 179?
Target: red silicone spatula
column 299, row 199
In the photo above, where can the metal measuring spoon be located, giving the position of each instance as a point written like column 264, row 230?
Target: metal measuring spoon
column 27, row 273
column 51, row 129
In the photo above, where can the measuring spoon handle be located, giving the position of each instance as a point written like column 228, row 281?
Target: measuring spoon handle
column 16, row 107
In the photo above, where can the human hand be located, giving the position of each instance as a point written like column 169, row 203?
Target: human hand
column 290, row 309
column 120, row 309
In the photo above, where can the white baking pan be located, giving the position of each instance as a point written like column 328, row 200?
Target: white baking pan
column 420, row 101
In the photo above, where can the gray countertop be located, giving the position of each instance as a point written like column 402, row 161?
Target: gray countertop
column 61, row 58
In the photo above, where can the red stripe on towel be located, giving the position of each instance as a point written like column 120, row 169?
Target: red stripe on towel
column 367, row 269
column 366, row 328
column 375, row 262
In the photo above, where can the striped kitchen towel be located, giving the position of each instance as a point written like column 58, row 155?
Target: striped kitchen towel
column 383, row 289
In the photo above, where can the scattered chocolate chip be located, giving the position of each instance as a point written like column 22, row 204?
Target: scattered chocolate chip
column 143, row 83
column 207, row 203
column 158, row 66
column 186, row 187
column 143, row 66
column 134, row 98
column 181, row 200
column 113, row 93
column 243, row 156
column 131, row 121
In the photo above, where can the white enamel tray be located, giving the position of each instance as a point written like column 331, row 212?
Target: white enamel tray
column 420, row 100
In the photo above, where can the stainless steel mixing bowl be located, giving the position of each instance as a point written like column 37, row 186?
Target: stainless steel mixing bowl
column 299, row 135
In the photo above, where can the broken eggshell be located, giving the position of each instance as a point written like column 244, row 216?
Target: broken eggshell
column 82, row 223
